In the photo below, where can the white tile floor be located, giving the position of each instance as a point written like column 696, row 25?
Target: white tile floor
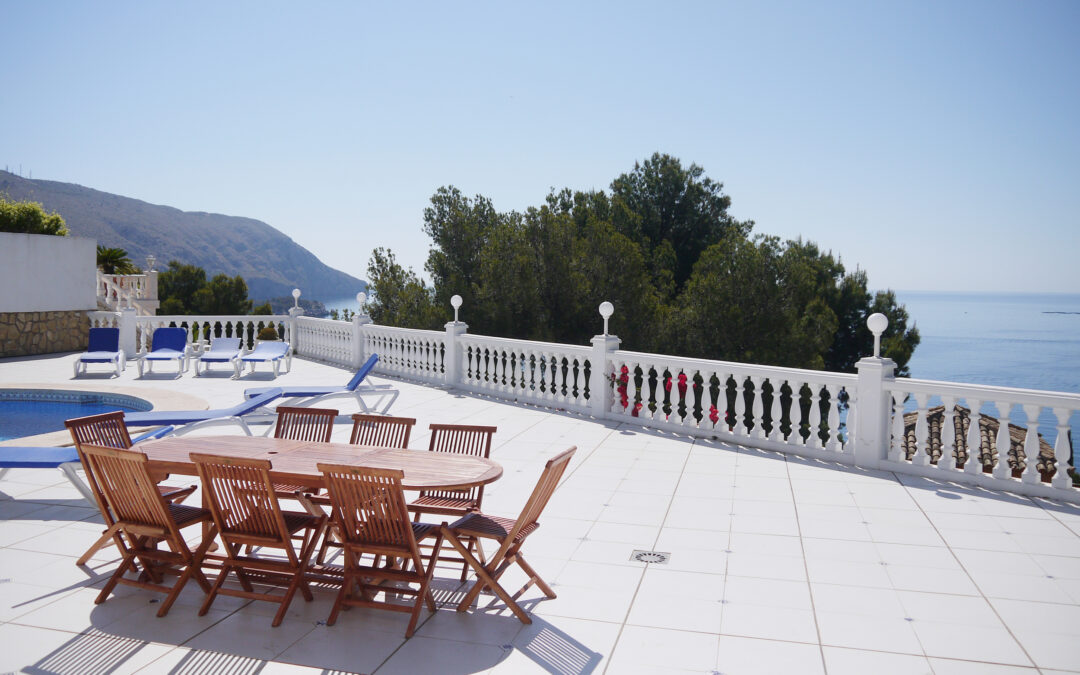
column 778, row 565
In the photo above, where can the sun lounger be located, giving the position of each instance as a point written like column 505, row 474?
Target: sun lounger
column 272, row 352
column 103, row 347
column 305, row 397
column 222, row 350
column 189, row 420
column 167, row 344
column 65, row 459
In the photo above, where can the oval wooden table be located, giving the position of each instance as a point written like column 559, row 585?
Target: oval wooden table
column 295, row 462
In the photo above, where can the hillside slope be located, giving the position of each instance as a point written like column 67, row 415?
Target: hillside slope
column 271, row 263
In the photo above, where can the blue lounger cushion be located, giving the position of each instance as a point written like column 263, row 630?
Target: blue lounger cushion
column 316, row 390
column 27, row 457
column 146, row 419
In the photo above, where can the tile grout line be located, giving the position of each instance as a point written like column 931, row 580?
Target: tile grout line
column 982, row 594
column 637, row 589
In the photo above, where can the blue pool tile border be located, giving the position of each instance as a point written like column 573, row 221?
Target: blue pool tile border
column 74, row 396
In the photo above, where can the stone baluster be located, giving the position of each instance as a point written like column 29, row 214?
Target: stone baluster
column 795, row 413
column 852, row 423
column 1031, row 473
column 947, row 460
column 974, row 438
column 776, row 432
column 1062, row 451
column 898, row 449
column 922, row 432
column 739, row 428
column 691, row 398
column 833, row 442
column 1002, row 470
column 814, row 439
column 758, row 408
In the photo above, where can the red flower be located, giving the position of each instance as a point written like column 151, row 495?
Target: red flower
column 636, row 410
column 682, row 385
column 714, row 414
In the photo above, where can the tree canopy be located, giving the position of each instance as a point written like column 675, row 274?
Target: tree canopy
column 29, row 218
column 183, row 289
column 115, row 261
column 685, row 277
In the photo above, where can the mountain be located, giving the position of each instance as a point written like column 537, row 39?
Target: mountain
column 270, row 262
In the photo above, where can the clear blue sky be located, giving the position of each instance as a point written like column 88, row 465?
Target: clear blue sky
column 934, row 144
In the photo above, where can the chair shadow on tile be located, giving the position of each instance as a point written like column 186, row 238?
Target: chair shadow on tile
column 89, row 653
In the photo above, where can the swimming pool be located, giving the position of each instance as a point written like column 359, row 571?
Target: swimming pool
column 27, row 412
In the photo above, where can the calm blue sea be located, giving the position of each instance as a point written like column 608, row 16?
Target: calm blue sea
column 1011, row 340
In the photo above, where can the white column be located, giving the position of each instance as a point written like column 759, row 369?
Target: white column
column 600, row 387
column 126, row 324
column 1062, row 451
column 454, row 352
column 872, row 434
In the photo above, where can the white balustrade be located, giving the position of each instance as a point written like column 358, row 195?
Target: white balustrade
column 104, row 319
column 1029, row 461
column 204, row 328
column 753, row 404
column 523, row 370
column 408, row 353
column 324, row 339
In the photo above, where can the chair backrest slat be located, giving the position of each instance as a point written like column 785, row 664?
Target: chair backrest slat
column 545, row 487
column 305, row 424
column 369, row 506
column 224, row 344
column 127, row 487
column 106, row 429
column 381, row 430
column 241, row 496
column 465, row 439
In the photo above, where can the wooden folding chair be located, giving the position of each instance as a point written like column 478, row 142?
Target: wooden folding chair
column 142, row 516
column 510, row 534
column 108, row 430
column 463, row 439
column 302, row 424
column 246, row 511
column 377, row 430
column 370, row 512
column 381, row 430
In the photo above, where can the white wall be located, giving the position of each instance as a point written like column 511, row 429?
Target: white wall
column 45, row 273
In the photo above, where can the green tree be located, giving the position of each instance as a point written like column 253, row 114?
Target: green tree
column 675, row 213
column 685, row 277
column 29, row 218
column 115, row 261
column 183, row 289
column 400, row 297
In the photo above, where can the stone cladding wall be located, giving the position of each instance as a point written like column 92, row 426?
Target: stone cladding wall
column 25, row 333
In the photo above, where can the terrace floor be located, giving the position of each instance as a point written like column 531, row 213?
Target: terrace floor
column 777, row 564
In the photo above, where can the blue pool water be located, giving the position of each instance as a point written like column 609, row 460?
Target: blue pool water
column 26, row 412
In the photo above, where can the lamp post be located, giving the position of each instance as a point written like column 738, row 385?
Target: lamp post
column 877, row 323
column 455, row 302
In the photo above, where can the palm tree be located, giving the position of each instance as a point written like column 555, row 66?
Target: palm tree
column 115, row 261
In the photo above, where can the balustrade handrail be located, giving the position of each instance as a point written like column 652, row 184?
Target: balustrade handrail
column 1049, row 399
column 817, row 376
column 394, row 330
column 527, row 344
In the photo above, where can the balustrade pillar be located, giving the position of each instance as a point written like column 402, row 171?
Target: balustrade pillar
column 358, row 353
column 126, row 323
column 601, row 391
column 872, row 434
column 453, row 352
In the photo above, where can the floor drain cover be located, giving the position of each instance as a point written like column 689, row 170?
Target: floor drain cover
column 650, row 557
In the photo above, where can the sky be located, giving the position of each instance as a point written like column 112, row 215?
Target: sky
column 933, row 144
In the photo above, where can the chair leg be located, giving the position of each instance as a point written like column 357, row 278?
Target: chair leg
column 110, row 533
column 484, row 579
column 534, row 577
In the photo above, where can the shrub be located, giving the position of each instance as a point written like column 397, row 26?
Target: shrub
column 268, row 332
